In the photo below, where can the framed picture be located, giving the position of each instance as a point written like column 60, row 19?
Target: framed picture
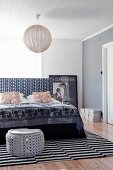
column 64, row 88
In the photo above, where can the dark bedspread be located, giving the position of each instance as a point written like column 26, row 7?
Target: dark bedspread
column 31, row 114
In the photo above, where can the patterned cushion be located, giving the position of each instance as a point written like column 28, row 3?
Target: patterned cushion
column 15, row 97
column 10, row 97
column 37, row 97
column 5, row 97
column 43, row 97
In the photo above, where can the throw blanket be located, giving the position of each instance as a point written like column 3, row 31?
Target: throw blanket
column 29, row 114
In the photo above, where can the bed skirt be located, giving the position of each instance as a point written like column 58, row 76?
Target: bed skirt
column 51, row 131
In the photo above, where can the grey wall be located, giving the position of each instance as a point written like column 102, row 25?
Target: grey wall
column 64, row 57
column 92, row 66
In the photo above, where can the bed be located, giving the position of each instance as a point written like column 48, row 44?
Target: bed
column 55, row 119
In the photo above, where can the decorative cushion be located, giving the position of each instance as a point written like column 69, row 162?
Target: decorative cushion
column 10, row 98
column 0, row 97
column 46, row 97
column 5, row 97
column 15, row 97
column 37, row 97
column 43, row 97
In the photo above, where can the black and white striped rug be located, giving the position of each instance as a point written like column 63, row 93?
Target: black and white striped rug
column 69, row 149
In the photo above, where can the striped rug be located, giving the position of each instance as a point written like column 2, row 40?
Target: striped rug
column 93, row 146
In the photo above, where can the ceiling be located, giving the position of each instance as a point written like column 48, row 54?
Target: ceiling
column 66, row 19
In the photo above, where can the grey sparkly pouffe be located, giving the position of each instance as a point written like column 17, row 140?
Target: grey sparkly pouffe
column 24, row 142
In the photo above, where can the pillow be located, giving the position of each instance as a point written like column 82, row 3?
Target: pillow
column 0, row 97
column 23, row 98
column 54, row 101
column 5, row 97
column 14, row 97
column 21, row 95
column 10, row 98
column 43, row 97
column 30, row 99
column 37, row 97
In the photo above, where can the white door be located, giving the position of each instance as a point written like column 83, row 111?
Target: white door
column 110, row 83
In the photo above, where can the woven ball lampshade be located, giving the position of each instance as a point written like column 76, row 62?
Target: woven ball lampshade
column 37, row 38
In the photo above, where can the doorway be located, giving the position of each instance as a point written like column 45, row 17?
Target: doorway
column 107, row 82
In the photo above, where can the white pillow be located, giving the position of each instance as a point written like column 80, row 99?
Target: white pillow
column 30, row 99
column 24, row 100
column 54, row 100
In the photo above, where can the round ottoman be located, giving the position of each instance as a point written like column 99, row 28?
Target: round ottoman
column 24, row 142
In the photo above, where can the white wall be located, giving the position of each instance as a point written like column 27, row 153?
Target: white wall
column 64, row 57
column 16, row 60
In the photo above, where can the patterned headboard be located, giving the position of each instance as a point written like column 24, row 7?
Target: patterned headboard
column 24, row 85
column 29, row 85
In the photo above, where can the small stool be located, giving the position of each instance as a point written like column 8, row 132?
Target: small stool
column 24, row 142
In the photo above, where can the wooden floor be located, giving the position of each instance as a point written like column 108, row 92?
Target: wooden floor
column 104, row 130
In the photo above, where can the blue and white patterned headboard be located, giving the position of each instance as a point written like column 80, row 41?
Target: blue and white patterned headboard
column 24, row 85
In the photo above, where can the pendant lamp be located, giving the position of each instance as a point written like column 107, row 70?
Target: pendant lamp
column 37, row 38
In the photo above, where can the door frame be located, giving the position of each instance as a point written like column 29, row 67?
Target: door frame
column 104, row 81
